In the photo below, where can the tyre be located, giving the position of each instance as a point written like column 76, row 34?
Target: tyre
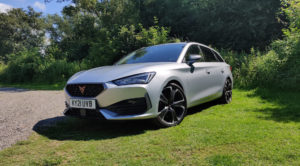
column 227, row 92
column 172, row 106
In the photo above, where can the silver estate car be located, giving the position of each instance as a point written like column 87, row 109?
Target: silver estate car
column 158, row 82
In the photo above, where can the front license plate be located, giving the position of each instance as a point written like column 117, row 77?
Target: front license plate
column 83, row 103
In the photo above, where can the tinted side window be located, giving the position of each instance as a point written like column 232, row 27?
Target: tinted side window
column 193, row 50
column 218, row 56
column 208, row 55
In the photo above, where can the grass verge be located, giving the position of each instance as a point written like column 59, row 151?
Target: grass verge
column 259, row 127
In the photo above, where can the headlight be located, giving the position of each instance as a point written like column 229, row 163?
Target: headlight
column 143, row 78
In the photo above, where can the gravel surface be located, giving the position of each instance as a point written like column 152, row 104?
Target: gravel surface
column 21, row 109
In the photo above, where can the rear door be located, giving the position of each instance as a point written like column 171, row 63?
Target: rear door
column 221, row 70
column 214, row 72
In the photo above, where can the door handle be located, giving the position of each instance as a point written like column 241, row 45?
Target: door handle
column 207, row 71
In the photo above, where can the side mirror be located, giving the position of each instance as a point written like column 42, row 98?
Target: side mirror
column 193, row 58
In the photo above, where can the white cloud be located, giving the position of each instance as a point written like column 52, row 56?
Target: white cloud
column 4, row 8
column 39, row 5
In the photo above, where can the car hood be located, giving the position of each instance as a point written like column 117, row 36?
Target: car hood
column 110, row 73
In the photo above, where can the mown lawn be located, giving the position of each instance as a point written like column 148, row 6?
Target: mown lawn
column 260, row 127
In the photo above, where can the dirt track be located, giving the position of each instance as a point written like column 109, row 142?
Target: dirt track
column 20, row 110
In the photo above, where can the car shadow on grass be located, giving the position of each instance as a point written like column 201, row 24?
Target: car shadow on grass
column 66, row 128
column 287, row 103
column 202, row 107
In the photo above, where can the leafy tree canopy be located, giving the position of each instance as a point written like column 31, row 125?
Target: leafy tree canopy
column 20, row 29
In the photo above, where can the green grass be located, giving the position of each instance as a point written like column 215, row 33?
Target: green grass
column 259, row 127
column 36, row 86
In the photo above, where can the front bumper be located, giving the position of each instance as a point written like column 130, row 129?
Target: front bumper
column 119, row 103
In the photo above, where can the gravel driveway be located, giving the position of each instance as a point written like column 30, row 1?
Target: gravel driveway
column 20, row 110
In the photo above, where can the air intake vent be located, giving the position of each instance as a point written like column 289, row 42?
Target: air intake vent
column 129, row 107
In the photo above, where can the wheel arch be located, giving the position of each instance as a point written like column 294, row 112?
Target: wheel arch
column 180, row 81
column 176, row 82
column 228, row 78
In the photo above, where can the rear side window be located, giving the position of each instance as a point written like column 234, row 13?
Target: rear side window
column 218, row 56
column 208, row 55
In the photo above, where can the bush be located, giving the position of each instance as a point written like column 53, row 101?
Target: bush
column 60, row 70
column 262, row 70
column 288, row 51
column 2, row 68
column 23, row 66
column 32, row 66
column 278, row 68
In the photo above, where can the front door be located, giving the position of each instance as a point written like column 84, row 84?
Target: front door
column 199, row 77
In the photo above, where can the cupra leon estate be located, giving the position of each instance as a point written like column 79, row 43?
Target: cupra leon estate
column 158, row 82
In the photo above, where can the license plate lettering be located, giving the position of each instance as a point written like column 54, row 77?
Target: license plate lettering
column 83, row 103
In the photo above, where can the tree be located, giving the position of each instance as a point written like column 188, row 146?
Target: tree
column 236, row 24
column 20, row 29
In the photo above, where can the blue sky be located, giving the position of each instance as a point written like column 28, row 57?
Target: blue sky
column 38, row 5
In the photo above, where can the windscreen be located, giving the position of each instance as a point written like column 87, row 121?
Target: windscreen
column 158, row 53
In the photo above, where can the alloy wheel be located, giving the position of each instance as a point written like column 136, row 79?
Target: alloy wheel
column 228, row 91
column 172, row 105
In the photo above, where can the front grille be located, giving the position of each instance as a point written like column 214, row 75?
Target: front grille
column 129, row 107
column 90, row 90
